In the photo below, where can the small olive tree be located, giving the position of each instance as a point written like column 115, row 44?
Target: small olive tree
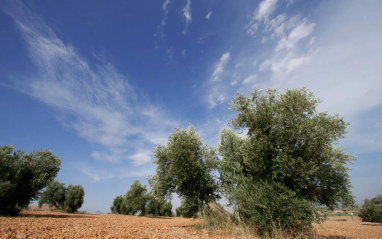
column 135, row 198
column 187, row 209
column 184, row 166
column 288, row 163
column 158, row 207
column 371, row 210
column 54, row 195
column 74, row 198
column 118, row 206
column 23, row 176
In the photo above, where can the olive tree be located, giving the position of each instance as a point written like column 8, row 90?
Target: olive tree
column 187, row 209
column 371, row 210
column 23, row 176
column 54, row 195
column 158, row 207
column 118, row 206
column 135, row 198
column 74, row 198
column 184, row 166
column 288, row 163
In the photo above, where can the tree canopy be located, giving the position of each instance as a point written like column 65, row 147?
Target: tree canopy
column 22, row 176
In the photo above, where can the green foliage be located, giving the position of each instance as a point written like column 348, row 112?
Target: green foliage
column 54, row 195
column 118, row 206
column 287, row 164
column 371, row 210
column 23, row 176
column 184, row 167
column 188, row 209
column 74, row 198
column 158, row 207
column 135, row 199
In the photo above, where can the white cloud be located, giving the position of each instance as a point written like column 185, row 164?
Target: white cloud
column 139, row 159
column 208, row 16
column 219, row 67
column 250, row 80
column 187, row 14
column 184, row 52
column 97, row 102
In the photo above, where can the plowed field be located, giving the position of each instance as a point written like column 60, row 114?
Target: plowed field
column 60, row 225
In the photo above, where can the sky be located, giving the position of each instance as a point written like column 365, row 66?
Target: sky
column 100, row 83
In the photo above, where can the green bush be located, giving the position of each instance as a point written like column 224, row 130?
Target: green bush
column 371, row 210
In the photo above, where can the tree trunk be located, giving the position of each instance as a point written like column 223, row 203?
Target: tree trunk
column 220, row 211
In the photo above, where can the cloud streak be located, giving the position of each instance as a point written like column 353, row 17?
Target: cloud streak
column 187, row 14
column 216, row 93
column 94, row 100
column 164, row 20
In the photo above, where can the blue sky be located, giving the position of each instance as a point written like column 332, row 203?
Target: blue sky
column 101, row 82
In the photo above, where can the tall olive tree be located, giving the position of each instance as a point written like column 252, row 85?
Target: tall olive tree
column 22, row 176
column 184, row 166
column 288, row 163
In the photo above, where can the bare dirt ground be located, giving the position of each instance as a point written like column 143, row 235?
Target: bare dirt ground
column 45, row 224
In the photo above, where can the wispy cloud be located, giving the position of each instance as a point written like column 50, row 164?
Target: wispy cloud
column 97, row 174
column 216, row 93
column 292, row 50
column 262, row 13
column 187, row 14
column 94, row 100
column 219, row 67
column 208, row 16
column 164, row 20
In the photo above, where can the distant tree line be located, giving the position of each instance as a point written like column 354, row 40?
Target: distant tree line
column 24, row 176
column 138, row 200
